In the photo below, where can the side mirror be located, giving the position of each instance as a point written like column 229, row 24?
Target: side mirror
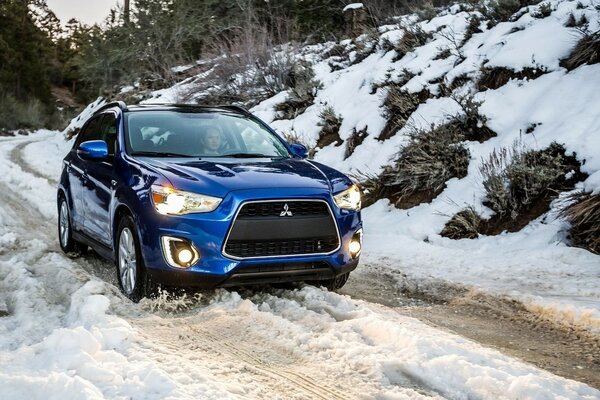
column 299, row 150
column 93, row 150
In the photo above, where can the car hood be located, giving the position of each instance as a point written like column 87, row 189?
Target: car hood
column 219, row 177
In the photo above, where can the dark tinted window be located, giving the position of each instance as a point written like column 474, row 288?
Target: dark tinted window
column 108, row 131
column 91, row 131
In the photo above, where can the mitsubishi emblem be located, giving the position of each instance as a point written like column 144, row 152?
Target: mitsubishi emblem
column 286, row 211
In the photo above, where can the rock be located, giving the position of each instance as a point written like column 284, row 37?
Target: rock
column 356, row 19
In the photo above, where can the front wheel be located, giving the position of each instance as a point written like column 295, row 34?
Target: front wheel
column 65, row 232
column 335, row 283
column 133, row 279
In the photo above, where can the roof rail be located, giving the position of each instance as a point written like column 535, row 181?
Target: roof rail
column 230, row 107
column 237, row 108
column 120, row 104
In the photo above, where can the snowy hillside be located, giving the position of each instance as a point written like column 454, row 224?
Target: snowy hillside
column 555, row 105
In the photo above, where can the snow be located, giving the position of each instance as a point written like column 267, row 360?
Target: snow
column 353, row 6
column 69, row 333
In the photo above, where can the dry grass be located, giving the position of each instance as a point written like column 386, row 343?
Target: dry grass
column 587, row 51
column 495, row 77
column 583, row 213
column 463, row 225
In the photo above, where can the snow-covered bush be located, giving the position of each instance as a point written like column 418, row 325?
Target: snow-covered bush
column 463, row 225
column 587, row 51
column 583, row 212
column 398, row 106
column 542, row 11
column 303, row 90
column 516, row 179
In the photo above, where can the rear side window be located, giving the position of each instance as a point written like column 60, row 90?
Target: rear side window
column 108, row 131
column 91, row 131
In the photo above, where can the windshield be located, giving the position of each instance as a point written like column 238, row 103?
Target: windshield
column 200, row 134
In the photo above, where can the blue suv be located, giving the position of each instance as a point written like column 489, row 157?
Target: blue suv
column 198, row 196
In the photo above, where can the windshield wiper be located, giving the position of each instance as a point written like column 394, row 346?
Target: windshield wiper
column 158, row 154
column 249, row 155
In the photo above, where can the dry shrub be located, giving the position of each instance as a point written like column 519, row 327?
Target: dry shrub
column 398, row 105
column 463, row 225
column 520, row 183
column 587, row 51
column 494, row 77
column 471, row 123
column 423, row 166
column 330, row 128
column 583, row 213
column 302, row 93
column 354, row 141
column 414, row 36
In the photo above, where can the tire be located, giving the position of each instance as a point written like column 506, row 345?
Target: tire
column 133, row 278
column 68, row 245
column 336, row 283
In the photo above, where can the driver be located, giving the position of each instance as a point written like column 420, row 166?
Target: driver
column 212, row 141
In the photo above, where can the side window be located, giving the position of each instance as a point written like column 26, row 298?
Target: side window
column 108, row 132
column 91, row 131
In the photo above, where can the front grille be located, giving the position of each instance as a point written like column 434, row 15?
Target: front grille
column 279, row 228
column 274, row 209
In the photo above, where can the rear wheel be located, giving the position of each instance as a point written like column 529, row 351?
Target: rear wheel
column 133, row 278
column 65, row 232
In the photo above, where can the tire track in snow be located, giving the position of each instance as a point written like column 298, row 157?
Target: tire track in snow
column 16, row 156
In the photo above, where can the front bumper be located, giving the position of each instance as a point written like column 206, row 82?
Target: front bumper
column 215, row 269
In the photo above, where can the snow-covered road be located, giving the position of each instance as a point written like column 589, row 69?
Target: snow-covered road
column 68, row 332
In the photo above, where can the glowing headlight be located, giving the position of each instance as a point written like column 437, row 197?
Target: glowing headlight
column 349, row 198
column 169, row 201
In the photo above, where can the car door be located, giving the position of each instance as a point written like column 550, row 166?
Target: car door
column 76, row 172
column 98, row 191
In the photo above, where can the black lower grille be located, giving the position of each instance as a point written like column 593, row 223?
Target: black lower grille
column 268, row 229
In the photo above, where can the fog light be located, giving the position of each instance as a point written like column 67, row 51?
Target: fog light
column 185, row 256
column 355, row 245
column 179, row 253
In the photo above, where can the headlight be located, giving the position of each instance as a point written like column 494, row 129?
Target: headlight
column 169, row 201
column 349, row 198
